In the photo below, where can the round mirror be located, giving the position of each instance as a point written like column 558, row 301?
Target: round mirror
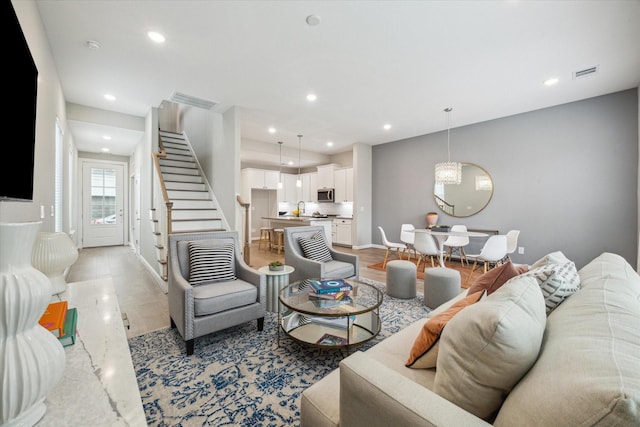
column 467, row 198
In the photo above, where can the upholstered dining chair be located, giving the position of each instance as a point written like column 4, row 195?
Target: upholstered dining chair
column 306, row 250
column 426, row 247
column 457, row 244
column 492, row 253
column 398, row 248
column 407, row 237
column 210, row 286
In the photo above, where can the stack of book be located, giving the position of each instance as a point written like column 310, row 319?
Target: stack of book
column 330, row 293
column 61, row 321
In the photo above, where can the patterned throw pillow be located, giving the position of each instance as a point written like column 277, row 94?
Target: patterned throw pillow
column 211, row 263
column 424, row 352
column 315, row 248
column 557, row 282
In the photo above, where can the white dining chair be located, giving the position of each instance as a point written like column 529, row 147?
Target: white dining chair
column 407, row 236
column 398, row 248
column 492, row 253
column 455, row 244
column 426, row 247
column 512, row 243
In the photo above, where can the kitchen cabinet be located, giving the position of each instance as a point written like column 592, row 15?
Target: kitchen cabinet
column 289, row 193
column 310, row 187
column 325, row 176
column 261, row 179
column 343, row 181
column 342, row 228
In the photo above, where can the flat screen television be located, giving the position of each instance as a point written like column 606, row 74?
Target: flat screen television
column 19, row 130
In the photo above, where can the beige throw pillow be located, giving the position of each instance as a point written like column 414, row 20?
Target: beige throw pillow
column 487, row 347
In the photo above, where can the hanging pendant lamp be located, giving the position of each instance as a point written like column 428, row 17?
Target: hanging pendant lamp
column 280, row 167
column 299, row 180
column 448, row 172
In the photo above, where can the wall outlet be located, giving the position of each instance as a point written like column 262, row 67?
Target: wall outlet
column 521, row 250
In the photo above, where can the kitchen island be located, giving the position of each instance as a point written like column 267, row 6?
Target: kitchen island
column 300, row 221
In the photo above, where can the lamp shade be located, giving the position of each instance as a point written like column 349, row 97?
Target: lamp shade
column 448, row 173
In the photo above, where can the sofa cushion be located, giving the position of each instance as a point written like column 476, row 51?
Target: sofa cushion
column 315, row 248
column 557, row 282
column 496, row 277
column 487, row 347
column 557, row 257
column 211, row 262
column 587, row 372
column 424, row 352
column 216, row 297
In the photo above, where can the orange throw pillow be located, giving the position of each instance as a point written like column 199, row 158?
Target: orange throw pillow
column 496, row 277
column 424, row 352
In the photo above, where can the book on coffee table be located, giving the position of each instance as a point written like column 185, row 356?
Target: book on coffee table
column 330, row 339
column 330, row 286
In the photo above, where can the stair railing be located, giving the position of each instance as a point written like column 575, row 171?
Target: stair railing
column 446, row 207
column 164, row 215
column 247, row 247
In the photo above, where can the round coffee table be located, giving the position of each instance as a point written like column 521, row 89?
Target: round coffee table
column 353, row 320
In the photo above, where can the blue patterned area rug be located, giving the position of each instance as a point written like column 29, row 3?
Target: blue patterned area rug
column 239, row 376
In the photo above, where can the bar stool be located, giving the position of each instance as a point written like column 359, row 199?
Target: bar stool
column 277, row 241
column 266, row 235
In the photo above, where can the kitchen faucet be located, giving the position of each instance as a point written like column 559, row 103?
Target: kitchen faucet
column 303, row 209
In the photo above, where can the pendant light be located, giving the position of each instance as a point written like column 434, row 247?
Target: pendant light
column 299, row 180
column 448, row 172
column 280, row 167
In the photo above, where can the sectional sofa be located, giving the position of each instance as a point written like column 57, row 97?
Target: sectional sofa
column 516, row 357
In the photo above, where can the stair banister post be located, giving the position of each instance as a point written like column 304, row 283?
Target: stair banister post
column 247, row 246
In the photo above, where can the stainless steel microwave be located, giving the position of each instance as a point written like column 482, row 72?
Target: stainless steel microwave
column 325, row 195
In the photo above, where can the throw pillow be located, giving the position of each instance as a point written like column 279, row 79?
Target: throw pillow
column 487, row 347
column 496, row 277
column 211, row 263
column 315, row 248
column 424, row 352
column 553, row 258
column 557, row 282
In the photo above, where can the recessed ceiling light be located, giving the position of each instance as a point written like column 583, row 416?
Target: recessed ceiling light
column 93, row 45
column 387, row 126
column 109, row 97
column 313, row 20
column 551, row 81
column 330, row 143
column 290, row 162
column 311, row 97
column 107, row 137
column 272, row 130
column 156, row 37
column 105, row 150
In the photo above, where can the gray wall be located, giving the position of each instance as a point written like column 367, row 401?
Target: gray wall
column 565, row 176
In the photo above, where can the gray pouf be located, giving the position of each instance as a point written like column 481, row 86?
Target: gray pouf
column 440, row 285
column 401, row 279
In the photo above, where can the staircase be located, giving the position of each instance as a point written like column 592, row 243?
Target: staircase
column 184, row 201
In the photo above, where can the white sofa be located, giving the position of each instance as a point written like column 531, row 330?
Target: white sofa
column 587, row 371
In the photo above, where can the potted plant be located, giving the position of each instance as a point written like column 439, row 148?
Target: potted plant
column 276, row 266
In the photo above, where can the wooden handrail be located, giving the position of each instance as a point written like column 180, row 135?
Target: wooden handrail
column 447, row 207
column 247, row 246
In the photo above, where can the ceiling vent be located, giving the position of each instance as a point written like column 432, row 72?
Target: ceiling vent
column 585, row 73
column 183, row 98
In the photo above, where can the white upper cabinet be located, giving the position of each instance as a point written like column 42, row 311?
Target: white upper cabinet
column 325, row 176
column 309, row 187
column 343, row 180
column 261, row 179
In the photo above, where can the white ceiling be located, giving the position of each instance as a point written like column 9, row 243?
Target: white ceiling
column 369, row 62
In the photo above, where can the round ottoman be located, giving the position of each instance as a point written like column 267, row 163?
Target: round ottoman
column 401, row 279
column 440, row 285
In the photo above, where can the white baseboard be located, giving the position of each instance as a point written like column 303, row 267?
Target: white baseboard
column 161, row 283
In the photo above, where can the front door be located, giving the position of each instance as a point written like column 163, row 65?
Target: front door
column 102, row 203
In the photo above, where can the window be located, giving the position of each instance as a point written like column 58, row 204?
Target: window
column 103, row 196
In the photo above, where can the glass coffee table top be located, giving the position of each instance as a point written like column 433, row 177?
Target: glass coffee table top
column 353, row 319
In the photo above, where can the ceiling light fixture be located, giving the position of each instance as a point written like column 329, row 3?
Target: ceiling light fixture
column 311, row 97
column 448, row 172
column 156, row 37
column 329, row 143
column 280, row 167
column 551, row 81
column 387, row 126
column 93, row 45
column 109, row 97
column 313, row 20
column 272, row 130
column 299, row 180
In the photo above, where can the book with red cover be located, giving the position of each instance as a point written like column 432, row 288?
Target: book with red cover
column 53, row 318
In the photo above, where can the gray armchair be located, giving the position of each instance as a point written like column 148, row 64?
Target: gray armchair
column 210, row 286
column 341, row 266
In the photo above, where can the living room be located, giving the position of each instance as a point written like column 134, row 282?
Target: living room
column 566, row 175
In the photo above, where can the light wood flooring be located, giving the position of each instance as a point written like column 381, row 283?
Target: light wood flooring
column 143, row 300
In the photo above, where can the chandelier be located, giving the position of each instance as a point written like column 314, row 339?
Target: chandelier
column 448, row 172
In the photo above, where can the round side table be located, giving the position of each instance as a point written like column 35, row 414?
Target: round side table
column 276, row 280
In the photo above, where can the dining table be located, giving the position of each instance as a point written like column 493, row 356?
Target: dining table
column 442, row 235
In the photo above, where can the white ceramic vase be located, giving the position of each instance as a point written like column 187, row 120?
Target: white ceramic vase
column 32, row 360
column 52, row 254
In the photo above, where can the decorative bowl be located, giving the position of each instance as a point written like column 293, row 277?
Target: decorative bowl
column 276, row 267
